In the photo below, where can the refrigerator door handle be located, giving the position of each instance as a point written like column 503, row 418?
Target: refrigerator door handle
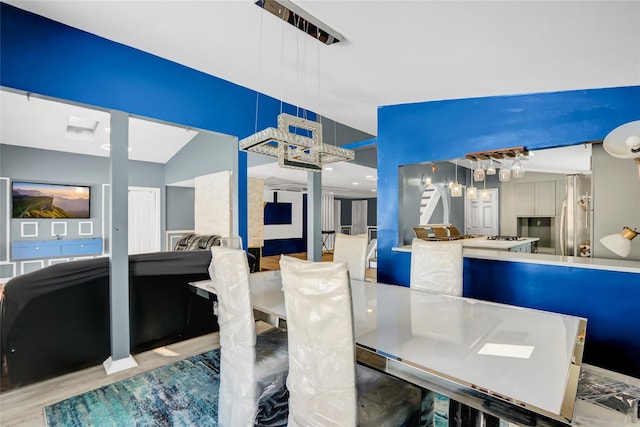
column 563, row 220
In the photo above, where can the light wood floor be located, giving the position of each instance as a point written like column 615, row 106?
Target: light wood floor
column 272, row 263
column 24, row 406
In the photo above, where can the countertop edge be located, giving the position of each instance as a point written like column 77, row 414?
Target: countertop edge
column 626, row 266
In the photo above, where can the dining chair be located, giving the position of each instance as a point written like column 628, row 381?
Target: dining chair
column 421, row 233
column 326, row 387
column 436, row 267
column 441, row 234
column 454, row 232
column 253, row 368
column 352, row 249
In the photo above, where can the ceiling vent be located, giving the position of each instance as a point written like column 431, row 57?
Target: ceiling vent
column 302, row 20
column 81, row 129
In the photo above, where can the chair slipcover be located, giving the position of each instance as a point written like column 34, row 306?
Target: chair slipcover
column 436, row 266
column 324, row 388
column 353, row 251
column 251, row 368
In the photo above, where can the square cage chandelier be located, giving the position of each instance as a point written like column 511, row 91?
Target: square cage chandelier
column 295, row 151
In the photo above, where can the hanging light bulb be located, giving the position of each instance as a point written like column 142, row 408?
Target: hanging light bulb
column 472, row 192
column 491, row 169
column 505, row 172
column 485, row 195
column 478, row 174
column 456, row 188
column 517, row 169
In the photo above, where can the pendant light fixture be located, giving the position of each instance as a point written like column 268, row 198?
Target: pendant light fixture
column 478, row 174
column 491, row 169
column 456, row 187
column 505, row 172
column 472, row 191
column 517, row 169
column 485, row 195
column 288, row 142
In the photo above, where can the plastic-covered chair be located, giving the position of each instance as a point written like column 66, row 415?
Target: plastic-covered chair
column 353, row 251
column 253, row 368
column 436, row 267
column 325, row 388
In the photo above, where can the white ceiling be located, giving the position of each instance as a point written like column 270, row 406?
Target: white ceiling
column 394, row 51
column 41, row 123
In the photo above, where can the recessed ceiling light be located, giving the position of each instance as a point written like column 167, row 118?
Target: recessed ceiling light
column 355, row 183
column 328, row 168
column 369, row 176
column 80, row 128
column 107, row 147
column 373, row 189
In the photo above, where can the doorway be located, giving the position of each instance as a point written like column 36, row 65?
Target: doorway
column 481, row 216
column 144, row 220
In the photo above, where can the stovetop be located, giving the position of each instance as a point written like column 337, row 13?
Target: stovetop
column 505, row 238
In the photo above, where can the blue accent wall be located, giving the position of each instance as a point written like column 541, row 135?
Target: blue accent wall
column 441, row 130
column 610, row 301
column 45, row 57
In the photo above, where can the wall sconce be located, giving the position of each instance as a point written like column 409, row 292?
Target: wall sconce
column 620, row 243
column 623, row 143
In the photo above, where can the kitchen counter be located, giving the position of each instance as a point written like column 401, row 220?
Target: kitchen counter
column 487, row 253
column 521, row 245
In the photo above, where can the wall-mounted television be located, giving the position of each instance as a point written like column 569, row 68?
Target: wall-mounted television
column 41, row 200
column 278, row 213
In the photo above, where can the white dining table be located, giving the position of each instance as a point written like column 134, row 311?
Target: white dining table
column 515, row 363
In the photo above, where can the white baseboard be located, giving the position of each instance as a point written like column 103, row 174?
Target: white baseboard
column 112, row 366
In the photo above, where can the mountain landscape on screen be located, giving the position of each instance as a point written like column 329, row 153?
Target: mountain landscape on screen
column 35, row 200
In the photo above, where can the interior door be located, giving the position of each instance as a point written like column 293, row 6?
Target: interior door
column 144, row 220
column 481, row 216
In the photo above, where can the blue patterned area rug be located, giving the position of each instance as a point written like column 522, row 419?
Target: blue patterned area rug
column 184, row 393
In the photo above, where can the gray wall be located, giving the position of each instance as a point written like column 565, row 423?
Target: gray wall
column 616, row 200
column 206, row 153
column 180, row 208
column 32, row 164
column 410, row 196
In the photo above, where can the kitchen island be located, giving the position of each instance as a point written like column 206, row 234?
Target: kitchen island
column 497, row 243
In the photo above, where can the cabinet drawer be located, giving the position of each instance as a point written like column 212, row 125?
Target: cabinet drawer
column 35, row 250
column 81, row 248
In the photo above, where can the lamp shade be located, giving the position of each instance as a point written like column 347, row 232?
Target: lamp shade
column 619, row 243
column 622, row 142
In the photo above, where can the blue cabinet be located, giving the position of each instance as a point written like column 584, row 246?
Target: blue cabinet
column 55, row 248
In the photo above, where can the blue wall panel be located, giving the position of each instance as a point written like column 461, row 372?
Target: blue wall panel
column 610, row 301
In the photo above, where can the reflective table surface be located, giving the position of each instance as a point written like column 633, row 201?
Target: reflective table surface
column 495, row 356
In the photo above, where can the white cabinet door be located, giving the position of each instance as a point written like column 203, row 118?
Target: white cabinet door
column 545, row 198
column 525, row 199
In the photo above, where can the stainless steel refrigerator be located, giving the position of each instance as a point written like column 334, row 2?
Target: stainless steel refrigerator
column 576, row 220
